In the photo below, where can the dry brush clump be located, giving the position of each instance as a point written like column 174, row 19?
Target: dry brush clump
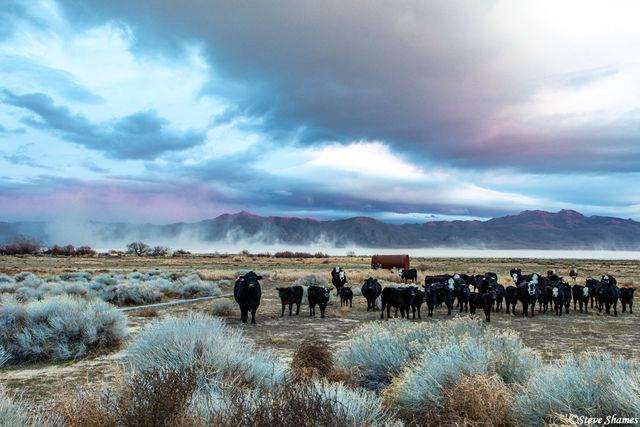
column 222, row 307
column 300, row 402
column 156, row 397
column 479, row 400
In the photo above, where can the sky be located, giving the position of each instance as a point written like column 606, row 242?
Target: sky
column 404, row 111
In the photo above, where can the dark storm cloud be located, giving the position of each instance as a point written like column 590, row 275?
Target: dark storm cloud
column 142, row 135
column 335, row 71
column 426, row 77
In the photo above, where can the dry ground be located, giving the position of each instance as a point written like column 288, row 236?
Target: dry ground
column 549, row 335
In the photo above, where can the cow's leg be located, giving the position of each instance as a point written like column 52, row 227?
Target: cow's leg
column 282, row 314
column 312, row 309
column 244, row 315
column 290, row 308
column 615, row 308
column 487, row 314
column 322, row 307
column 253, row 315
column 298, row 307
column 472, row 310
column 382, row 312
column 631, row 307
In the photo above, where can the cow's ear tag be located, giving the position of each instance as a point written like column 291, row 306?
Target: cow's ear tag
column 241, row 279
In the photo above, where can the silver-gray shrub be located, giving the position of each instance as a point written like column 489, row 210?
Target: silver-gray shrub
column 591, row 384
column 310, row 280
column 130, row 293
column 449, row 359
column 193, row 286
column 76, row 276
column 58, row 328
column 379, row 350
column 217, row 351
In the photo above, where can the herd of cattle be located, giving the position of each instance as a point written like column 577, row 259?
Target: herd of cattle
column 550, row 292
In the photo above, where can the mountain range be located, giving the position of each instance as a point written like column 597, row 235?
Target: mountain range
column 566, row 229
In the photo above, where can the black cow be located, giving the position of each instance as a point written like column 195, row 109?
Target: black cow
column 608, row 294
column 499, row 288
column 487, row 281
column 318, row 295
column 440, row 278
column 626, row 297
column 419, row 298
column 580, row 296
column 400, row 298
column 289, row 296
column 545, row 297
column 339, row 279
column 511, row 298
column 516, row 275
column 371, row 290
column 346, row 296
column 566, row 289
column 444, row 294
column 528, row 293
column 470, row 280
column 409, row 274
column 558, row 299
column 430, row 297
column 593, row 285
column 461, row 292
column 483, row 301
column 247, row 293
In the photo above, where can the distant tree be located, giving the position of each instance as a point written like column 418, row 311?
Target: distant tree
column 245, row 252
column 160, row 251
column 138, row 248
column 85, row 251
column 25, row 244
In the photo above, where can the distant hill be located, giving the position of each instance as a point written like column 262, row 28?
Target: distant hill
column 565, row 229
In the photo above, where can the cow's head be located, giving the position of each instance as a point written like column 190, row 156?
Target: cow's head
column 531, row 288
column 326, row 292
column 585, row 292
column 456, row 276
column 337, row 269
column 250, row 280
column 284, row 292
column 534, row 279
column 554, row 292
column 514, row 276
column 450, row 283
column 493, row 294
column 341, row 274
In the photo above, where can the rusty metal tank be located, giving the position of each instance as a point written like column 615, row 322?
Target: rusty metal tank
column 390, row 261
